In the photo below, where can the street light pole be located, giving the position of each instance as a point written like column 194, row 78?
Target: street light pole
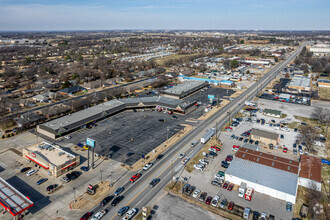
column 101, row 171
column 74, row 194
column 229, row 117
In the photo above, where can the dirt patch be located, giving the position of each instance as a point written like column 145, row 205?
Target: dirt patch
column 87, row 201
column 161, row 148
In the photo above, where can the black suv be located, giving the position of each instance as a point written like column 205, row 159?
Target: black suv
column 117, row 200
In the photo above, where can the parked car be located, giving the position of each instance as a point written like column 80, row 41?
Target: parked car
column 216, row 148
column 84, row 168
column 230, row 187
column 216, row 183
column 196, row 193
column 225, row 185
column 23, row 170
column 203, row 161
column 282, row 136
column 255, row 215
column 208, row 200
column 202, row 197
column 154, row 182
column 118, row 191
column 215, row 201
column 225, row 165
column 223, row 203
column 31, row 172
column 41, row 181
column 256, row 143
column 288, row 206
column 285, row 150
column 263, row 216
column 51, row 187
column 246, row 213
column 147, row 166
column 231, row 205
column 123, row 210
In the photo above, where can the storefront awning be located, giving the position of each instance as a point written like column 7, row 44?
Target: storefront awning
column 69, row 165
column 46, row 167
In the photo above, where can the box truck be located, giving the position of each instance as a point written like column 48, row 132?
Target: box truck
column 241, row 190
column 206, row 137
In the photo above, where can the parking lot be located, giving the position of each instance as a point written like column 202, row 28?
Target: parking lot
column 260, row 202
column 128, row 135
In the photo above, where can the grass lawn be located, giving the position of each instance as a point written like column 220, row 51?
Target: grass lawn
column 324, row 93
column 190, row 165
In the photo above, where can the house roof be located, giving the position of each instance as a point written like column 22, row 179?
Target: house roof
column 264, row 134
column 71, row 90
column 268, row 160
column 323, row 81
column 272, row 112
column 261, row 174
column 310, row 167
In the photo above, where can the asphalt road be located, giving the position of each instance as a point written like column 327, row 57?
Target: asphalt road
column 138, row 194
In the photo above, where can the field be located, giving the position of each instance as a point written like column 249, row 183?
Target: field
column 162, row 60
column 324, row 93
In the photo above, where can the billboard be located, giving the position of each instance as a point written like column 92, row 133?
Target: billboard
column 90, row 142
column 211, row 97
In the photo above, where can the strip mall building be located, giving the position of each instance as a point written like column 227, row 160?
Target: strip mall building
column 52, row 158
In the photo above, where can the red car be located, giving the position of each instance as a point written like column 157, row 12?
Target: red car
column 231, row 205
column 229, row 128
column 208, row 200
column 86, row 216
column 225, row 185
column 215, row 147
column 235, row 147
column 229, row 158
column 135, row 177
column 230, row 187
column 285, row 150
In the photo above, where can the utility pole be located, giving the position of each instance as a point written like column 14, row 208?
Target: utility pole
column 167, row 134
column 229, row 118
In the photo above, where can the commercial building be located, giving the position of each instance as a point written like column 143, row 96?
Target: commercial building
column 300, row 84
column 267, row 174
column 323, row 83
column 227, row 83
column 310, row 172
column 183, row 78
column 77, row 120
column 12, row 200
column 320, row 50
column 272, row 113
column 183, row 90
column 51, row 157
column 283, row 97
column 265, row 137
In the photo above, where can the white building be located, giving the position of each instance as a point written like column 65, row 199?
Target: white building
column 271, row 175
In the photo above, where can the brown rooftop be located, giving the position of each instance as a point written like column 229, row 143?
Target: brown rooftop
column 264, row 134
column 310, row 168
column 268, row 160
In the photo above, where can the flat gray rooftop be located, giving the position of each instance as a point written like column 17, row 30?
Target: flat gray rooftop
column 184, row 87
column 300, row 82
column 264, row 175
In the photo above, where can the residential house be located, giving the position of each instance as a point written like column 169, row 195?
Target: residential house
column 71, row 90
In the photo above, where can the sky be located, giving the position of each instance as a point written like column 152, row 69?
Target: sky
column 48, row 15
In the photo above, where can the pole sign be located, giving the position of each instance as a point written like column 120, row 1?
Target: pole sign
column 90, row 142
column 211, row 97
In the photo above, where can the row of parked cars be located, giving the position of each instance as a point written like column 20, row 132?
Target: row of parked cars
column 213, row 152
column 215, row 201
column 30, row 172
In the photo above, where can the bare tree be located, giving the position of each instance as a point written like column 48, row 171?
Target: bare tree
column 322, row 115
column 308, row 135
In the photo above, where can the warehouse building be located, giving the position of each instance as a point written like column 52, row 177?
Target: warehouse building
column 300, row 84
column 183, row 90
column 323, row 83
column 59, row 127
column 310, row 172
column 267, row 174
column 51, row 157
column 265, row 137
column 272, row 113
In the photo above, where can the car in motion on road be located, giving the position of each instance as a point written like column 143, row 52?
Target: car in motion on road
column 154, row 182
column 31, row 172
column 118, row 191
column 135, row 177
column 41, row 181
column 99, row 215
column 23, row 170
column 51, row 187
column 86, row 216
column 117, row 200
column 130, row 214
column 193, row 144
column 106, row 200
column 123, row 210
column 147, row 166
column 182, row 155
column 160, row 156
